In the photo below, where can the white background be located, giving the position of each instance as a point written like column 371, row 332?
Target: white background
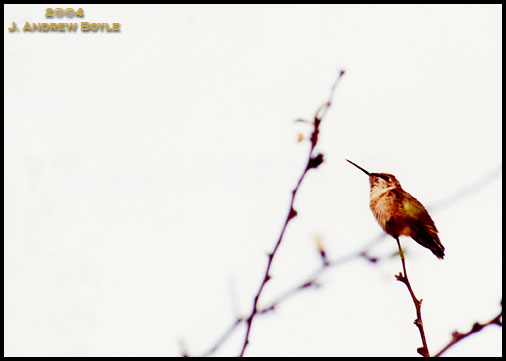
column 148, row 173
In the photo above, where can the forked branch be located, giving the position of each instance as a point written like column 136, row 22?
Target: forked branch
column 313, row 161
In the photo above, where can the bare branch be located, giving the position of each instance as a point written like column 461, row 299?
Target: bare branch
column 224, row 337
column 309, row 283
column 424, row 350
column 313, row 162
column 477, row 327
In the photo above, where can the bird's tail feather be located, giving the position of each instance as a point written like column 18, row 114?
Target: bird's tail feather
column 426, row 236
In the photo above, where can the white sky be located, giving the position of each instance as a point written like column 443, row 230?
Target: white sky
column 148, row 172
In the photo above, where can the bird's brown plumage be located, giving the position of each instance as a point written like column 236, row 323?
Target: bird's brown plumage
column 401, row 214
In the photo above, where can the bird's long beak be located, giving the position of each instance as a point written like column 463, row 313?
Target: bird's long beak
column 362, row 169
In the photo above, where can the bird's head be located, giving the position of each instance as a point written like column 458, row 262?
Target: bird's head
column 383, row 180
column 379, row 180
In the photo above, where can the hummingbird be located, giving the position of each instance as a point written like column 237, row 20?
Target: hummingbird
column 401, row 214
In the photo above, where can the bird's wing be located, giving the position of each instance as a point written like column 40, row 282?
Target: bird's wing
column 415, row 211
column 425, row 231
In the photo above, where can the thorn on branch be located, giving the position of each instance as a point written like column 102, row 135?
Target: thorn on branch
column 315, row 162
column 293, row 213
column 400, row 277
column 476, row 327
column 422, row 351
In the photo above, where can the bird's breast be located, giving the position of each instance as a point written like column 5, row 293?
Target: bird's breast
column 385, row 206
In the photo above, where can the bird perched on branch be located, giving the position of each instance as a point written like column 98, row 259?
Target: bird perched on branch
column 401, row 214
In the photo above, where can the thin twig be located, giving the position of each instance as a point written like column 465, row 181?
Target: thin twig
column 309, row 283
column 224, row 337
column 424, row 350
column 312, row 162
column 477, row 327
column 312, row 281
